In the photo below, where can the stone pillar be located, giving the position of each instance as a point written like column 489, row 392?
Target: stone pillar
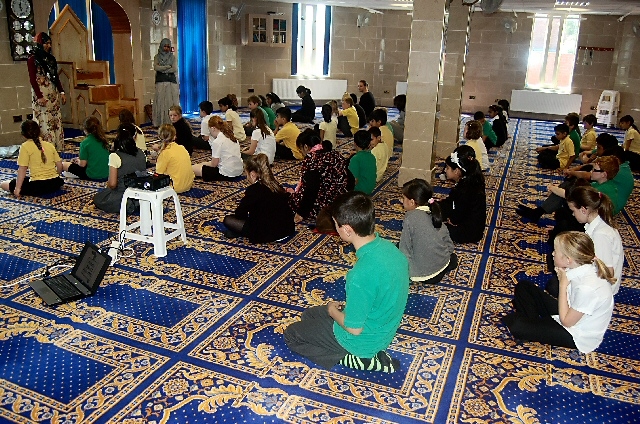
column 450, row 99
column 425, row 53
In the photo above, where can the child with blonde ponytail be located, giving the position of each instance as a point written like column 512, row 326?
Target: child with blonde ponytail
column 174, row 160
column 581, row 314
column 263, row 214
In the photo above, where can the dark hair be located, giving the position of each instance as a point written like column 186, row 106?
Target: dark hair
column 124, row 141
column 607, row 141
column 31, row 130
column 362, row 139
column 375, row 131
column 234, row 101
column 273, row 97
column 225, row 101
column 479, row 115
column 260, row 122
column 263, row 100
column 498, row 111
column 590, row 119
column 573, row 119
column 467, row 159
column 354, row 98
column 474, row 130
column 364, row 83
column 563, row 128
column 285, row 113
column 421, row 192
column 126, row 117
column 629, row 119
column 93, row 126
column 590, row 198
column 504, row 104
column 303, row 89
column 327, row 112
column 400, row 102
column 378, row 114
column 618, row 152
column 308, row 138
column 206, row 106
column 355, row 209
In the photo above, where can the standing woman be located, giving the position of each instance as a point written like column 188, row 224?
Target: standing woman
column 167, row 95
column 45, row 87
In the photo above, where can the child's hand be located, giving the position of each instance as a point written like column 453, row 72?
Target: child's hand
column 297, row 218
column 540, row 149
column 289, row 190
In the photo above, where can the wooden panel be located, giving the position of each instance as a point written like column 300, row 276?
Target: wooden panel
column 104, row 93
column 69, row 38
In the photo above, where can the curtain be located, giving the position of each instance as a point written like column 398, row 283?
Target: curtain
column 294, row 38
column 192, row 53
column 102, row 38
column 79, row 7
column 327, row 40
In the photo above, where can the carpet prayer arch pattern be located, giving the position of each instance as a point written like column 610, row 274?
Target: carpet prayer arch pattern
column 197, row 336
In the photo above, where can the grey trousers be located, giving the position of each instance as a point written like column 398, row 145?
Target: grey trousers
column 312, row 337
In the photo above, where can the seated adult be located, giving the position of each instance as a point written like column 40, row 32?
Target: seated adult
column 324, row 176
column 93, row 161
column 174, row 160
column 367, row 101
column 263, row 214
column 125, row 159
column 41, row 159
column 307, row 113
column 226, row 162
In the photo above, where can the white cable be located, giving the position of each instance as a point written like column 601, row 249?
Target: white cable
column 41, row 275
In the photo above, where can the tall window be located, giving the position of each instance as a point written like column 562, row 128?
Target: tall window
column 311, row 48
column 552, row 52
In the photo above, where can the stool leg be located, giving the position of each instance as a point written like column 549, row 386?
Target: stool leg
column 123, row 215
column 159, row 236
column 179, row 220
column 145, row 218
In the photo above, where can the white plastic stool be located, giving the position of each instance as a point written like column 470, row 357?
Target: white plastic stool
column 608, row 107
column 152, row 225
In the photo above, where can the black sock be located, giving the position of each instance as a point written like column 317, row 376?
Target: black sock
column 381, row 362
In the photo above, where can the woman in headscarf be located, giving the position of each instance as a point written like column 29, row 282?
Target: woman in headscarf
column 45, row 88
column 165, row 65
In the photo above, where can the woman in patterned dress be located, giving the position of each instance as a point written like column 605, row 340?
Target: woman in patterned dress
column 45, row 87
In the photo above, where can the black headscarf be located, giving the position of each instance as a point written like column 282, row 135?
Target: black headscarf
column 45, row 60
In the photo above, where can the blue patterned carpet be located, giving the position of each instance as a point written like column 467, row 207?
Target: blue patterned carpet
column 196, row 336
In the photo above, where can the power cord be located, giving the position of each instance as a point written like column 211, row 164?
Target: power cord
column 46, row 272
column 117, row 248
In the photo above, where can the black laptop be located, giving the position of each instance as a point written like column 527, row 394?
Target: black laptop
column 83, row 281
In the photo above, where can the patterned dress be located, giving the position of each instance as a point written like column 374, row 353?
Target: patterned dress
column 48, row 116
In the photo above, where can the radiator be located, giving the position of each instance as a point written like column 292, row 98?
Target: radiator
column 326, row 89
column 543, row 102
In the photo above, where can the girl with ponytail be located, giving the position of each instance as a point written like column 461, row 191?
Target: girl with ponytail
column 580, row 316
column 93, row 161
column 263, row 214
column 424, row 240
column 174, row 160
column 226, row 162
column 42, row 161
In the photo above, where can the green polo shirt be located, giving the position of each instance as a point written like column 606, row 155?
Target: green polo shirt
column 377, row 289
column 487, row 130
column 574, row 135
column 363, row 167
column 624, row 181
column 609, row 188
column 97, row 156
column 271, row 117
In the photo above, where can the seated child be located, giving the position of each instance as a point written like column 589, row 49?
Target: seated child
column 126, row 117
column 473, row 134
column 271, row 114
column 254, row 104
column 226, row 162
column 174, row 160
column 348, row 122
column 588, row 142
column 263, row 215
column 378, row 118
column 93, row 161
column 424, row 240
column 571, row 120
column 357, row 333
column 362, row 115
column 400, row 102
column 41, row 159
column 329, row 125
column 580, row 315
column 286, row 135
column 557, row 156
column 464, row 211
column 380, row 151
column 184, row 135
column 230, row 115
column 262, row 138
column 504, row 104
column 498, row 124
column 489, row 137
column 274, row 102
column 206, row 112
column 363, row 164
column 631, row 142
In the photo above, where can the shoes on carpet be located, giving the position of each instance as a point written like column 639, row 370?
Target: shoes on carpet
column 382, row 362
column 531, row 214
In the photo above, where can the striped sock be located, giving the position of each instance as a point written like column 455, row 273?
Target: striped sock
column 382, row 362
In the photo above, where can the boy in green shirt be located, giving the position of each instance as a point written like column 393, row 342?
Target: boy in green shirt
column 357, row 333
column 363, row 164
column 488, row 135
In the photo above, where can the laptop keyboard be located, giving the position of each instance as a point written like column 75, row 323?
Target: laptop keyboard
column 63, row 288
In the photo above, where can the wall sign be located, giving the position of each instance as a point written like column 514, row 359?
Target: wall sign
column 21, row 28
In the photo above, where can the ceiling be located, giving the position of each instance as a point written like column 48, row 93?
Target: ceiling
column 600, row 7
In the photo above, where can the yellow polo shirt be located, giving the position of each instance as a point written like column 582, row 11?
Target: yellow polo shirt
column 288, row 135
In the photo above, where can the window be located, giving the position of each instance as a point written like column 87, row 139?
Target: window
column 552, row 52
column 311, row 40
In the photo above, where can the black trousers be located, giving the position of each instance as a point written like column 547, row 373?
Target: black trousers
column 532, row 320
column 312, row 337
column 634, row 160
column 547, row 159
column 343, row 125
column 283, row 152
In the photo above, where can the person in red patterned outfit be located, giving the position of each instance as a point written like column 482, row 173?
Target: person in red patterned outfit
column 46, row 91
